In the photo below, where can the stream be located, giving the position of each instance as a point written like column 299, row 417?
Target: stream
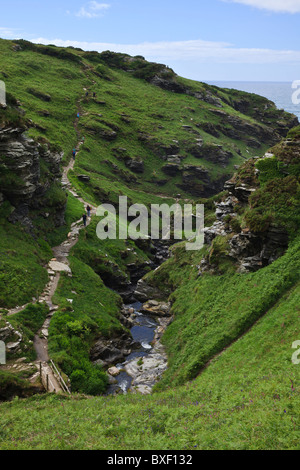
column 142, row 367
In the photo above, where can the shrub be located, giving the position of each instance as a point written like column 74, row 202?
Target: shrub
column 219, row 249
column 55, row 196
column 235, row 225
column 294, row 133
column 258, row 221
column 269, row 168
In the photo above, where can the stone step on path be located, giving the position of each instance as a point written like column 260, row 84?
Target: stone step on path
column 57, row 265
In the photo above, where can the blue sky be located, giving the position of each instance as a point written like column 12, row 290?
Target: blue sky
column 200, row 39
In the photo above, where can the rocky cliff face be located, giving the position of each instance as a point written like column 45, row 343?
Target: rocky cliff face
column 27, row 172
column 249, row 250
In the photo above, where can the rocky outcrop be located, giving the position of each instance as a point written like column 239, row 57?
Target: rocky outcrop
column 147, row 371
column 135, row 165
column 22, row 176
column 19, row 160
column 102, row 132
column 109, row 352
column 84, row 178
column 11, row 337
column 250, row 251
column 144, row 291
column 167, row 84
column 159, row 309
column 197, row 181
column 171, row 169
column 254, row 134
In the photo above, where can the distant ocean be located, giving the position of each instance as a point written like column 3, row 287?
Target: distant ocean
column 278, row 92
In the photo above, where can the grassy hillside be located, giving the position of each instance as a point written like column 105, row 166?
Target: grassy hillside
column 240, row 327
column 135, row 123
column 223, row 308
column 226, row 303
column 149, row 134
column 142, row 115
column 248, row 398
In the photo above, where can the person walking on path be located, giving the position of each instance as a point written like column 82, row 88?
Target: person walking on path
column 74, row 153
column 84, row 217
column 88, row 210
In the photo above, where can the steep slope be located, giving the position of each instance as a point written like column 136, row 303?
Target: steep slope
column 244, row 267
column 146, row 130
column 235, row 303
column 147, row 134
column 247, row 399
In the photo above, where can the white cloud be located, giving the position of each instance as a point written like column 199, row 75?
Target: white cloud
column 92, row 10
column 278, row 6
column 8, row 33
column 196, row 50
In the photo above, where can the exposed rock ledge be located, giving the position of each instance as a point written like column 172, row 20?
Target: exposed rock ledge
column 144, row 292
column 251, row 251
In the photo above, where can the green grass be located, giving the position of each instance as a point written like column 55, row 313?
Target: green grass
column 108, row 258
column 211, row 322
column 50, row 84
column 75, row 327
column 22, row 272
column 240, row 402
column 248, row 395
column 29, row 321
column 74, row 211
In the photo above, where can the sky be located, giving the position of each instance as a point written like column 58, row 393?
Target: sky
column 205, row 40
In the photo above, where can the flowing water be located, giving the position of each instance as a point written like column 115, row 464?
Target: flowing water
column 143, row 332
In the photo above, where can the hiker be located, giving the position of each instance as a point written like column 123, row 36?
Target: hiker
column 88, row 210
column 78, row 115
column 74, row 153
column 84, row 219
column 87, row 94
column 94, row 95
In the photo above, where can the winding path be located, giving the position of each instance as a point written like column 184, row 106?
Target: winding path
column 58, row 264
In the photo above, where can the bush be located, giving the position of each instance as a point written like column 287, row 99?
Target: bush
column 278, row 200
column 55, row 196
column 219, row 249
column 258, row 221
column 294, row 133
column 91, row 380
column 269, row 168
column 235, row 225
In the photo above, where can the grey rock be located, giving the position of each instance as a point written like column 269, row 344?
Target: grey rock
column 171, row 169
column 137, row 166
column 84, row 178
column 144, row 291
